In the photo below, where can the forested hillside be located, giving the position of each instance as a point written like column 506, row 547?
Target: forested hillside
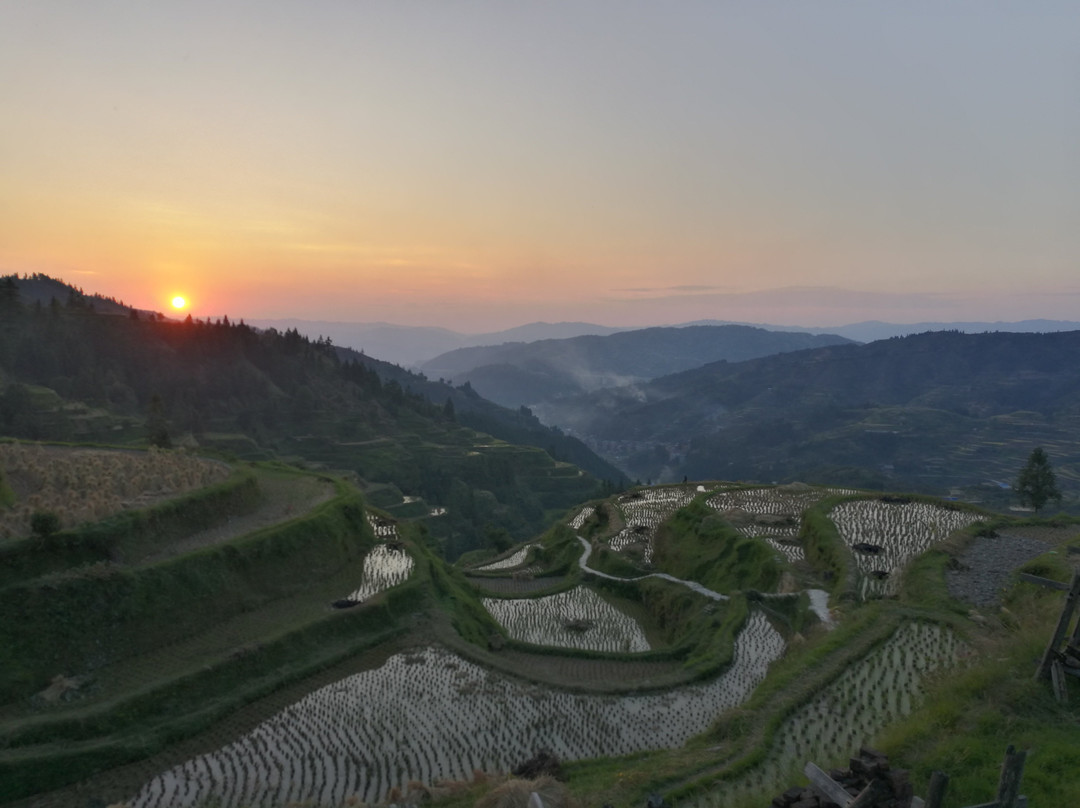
column 929, row 411
column 69, row 372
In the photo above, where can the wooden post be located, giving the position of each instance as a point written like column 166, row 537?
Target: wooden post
column 1043, row 671
column 1057, row 679
column 939, row 781
column 1074, row 641
column 1012, row 770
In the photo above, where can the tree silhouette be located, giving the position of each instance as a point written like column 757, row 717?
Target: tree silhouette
column 157, row 428
column 1037, row 484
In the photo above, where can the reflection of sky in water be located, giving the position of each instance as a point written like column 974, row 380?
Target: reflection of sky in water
column 431, row 715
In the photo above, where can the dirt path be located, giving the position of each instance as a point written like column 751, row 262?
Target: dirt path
column 987, row 565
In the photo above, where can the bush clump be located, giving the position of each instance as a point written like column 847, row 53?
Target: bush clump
column 44, row 524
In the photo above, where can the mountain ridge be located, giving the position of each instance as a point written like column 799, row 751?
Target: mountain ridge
column 925, row 411
column 517, row 374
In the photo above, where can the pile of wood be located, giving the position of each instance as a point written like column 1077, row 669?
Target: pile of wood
column 869, row 782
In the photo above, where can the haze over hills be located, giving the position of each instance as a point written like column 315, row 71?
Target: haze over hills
column 926, row 412
column 413, row 346
column 871, row 330
column 519, row 374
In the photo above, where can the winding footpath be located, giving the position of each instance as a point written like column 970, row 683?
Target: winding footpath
column 819, row 598
column 694, row 585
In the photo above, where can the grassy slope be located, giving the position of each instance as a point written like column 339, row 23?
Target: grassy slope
column 697, row 544
column 176, row 646
column 971, row 716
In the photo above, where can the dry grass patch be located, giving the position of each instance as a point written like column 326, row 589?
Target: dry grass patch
column 87, row 485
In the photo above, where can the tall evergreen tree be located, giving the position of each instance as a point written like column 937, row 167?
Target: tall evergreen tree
column 1037, row 484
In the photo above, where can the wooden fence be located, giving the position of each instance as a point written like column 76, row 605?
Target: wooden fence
column 1008, row 790
column 1057, row 661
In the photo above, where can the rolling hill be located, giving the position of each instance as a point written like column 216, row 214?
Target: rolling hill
column 528, row 374
column 928, row 412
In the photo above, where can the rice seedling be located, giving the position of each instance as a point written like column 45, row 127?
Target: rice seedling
column 581, row 517
column 578, row 618
column 387, row 564
column 771, row 514
column 884, row 686
column 884, row 536
column 511, row 561
column 430, row 715
column 643, row 511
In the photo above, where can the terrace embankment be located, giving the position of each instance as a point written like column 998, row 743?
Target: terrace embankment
column 161, row 650
column 82, row 618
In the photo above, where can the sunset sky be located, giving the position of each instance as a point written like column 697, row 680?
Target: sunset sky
column 478, row 165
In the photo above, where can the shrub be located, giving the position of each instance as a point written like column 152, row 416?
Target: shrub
column 44, row 523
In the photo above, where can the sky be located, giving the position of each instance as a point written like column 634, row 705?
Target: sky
column 479, row 165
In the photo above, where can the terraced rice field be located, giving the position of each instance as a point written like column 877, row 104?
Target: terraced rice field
column 387, row 564
column 581, row 517
column 880, row 689
column 885, row 536
column 643, row 511
column 429, row 715
column 384, row 528
column 384, row 566
column 578, row 618
column 772, row 514
column 511, row 561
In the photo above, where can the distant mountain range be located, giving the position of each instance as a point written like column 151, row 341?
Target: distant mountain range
column 412, row 346
column 925, row 411
column 518, row 374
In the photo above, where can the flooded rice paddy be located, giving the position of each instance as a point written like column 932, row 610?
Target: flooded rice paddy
column 429, row 715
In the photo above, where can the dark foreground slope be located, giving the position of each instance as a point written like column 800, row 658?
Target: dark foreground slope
column 926, row 411
column 69, row 372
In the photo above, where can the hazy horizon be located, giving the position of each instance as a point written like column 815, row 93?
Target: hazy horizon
column 480, row 165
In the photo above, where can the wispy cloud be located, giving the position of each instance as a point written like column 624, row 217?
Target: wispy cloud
column 669, row 289
column 832, row 297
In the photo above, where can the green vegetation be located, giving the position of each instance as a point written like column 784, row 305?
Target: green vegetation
column 1037, row 484
column 91, row 615
column 995, row 700
column 131, row 534
column 44, row 524
column 125, row 635
column 70, row 373
column 166, row 649
column 825, row 550
column 698, row 545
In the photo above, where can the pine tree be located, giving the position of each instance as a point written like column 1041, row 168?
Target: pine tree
column 1037, row 484
column 157, row 427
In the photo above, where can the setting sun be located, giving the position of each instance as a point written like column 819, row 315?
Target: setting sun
column 178, row 302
